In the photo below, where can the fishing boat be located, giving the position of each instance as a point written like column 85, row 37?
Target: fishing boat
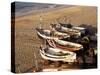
column 56, row 54
column 65, row 45
column 47, row 34
column 72, row 32
column 80, row 29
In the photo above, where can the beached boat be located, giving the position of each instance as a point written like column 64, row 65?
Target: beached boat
column 81, row 29
column 72, row 32
column 56, row 54
column 68, row 25
column 46, row 34
column 65, row 45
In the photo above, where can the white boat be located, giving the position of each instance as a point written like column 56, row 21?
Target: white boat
column 69, row 31
column 81, row 29
column 46, row 34
column 56, row 54
column 68, row 25
column 65, row 45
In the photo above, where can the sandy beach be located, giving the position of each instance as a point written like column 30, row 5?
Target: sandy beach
column 27, row 42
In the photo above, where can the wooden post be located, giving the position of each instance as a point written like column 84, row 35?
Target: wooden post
column 36, row 62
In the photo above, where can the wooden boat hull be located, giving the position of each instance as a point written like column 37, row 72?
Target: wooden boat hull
column 45, row 34
column 70, row 31
column 71, row 57
column 80, row 29
column 66, row 46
